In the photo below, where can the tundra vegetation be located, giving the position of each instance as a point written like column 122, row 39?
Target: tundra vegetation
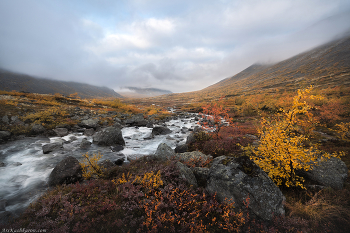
column 280, row 131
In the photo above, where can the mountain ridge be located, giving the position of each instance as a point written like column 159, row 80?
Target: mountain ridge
column 22, row 82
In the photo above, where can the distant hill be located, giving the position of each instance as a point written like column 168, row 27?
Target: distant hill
column 10, row 81
column 136, row 92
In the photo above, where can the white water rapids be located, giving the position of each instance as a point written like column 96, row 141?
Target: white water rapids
column 25, row 174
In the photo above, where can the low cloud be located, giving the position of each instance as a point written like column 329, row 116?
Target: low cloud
column 178, row 46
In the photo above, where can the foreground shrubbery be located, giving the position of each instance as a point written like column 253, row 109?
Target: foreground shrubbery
column 145, row 196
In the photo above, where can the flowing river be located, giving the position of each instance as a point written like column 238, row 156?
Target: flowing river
column 26, row 170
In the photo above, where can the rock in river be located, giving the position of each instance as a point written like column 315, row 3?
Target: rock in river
column 110, row 136
column 67, row 171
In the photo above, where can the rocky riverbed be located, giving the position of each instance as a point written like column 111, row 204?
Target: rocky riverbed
column 26, row 163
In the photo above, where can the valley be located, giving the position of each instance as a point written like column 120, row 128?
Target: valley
column 166, row 154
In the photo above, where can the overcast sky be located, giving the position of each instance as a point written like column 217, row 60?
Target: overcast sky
column 178, row 45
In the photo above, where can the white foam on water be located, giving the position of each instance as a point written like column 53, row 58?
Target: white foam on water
column 25, row 176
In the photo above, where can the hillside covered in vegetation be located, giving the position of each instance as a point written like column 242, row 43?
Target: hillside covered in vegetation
column 11, row 81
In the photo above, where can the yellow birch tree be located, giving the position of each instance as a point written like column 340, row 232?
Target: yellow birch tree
column 282, row 148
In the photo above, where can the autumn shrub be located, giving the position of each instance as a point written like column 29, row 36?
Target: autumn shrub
column 282, row 148
column 46, row 116
column 142, row 202
column 227, row 141
column 90, row 166
column 117, row 104
column 343, row 130
column 215, row 117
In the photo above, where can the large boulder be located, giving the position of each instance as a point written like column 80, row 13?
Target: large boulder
column 164, row 152
column 186, row 173
column 137, row 120
column 37, row 129
column 6, row 217
column 61, row 132
column 47, row 148
column 5, row 120
column 106, row 164
column 110, row 136
column 67, row 171
column 201, row 174
column 160, row 130
column 240, row 179
column 181, row 148
column 4, row 135
column 89, row 132
column 190, row 139
column 331, row 173
column 85, row 144
column 89, row 123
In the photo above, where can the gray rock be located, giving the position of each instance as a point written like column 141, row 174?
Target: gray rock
column 117, row 120
column 75, row 118
column 251, row 136
column 16, row 164
column 331, row 173
column 186, row 174
column 5, row 119
column 72, row 138
column 47, row 148
column 61, row 132
column 6, row 217
column 89, row 123
column 160, row 130
column 89, row 132
column 119, row 161
column 238, row 179
column 5, row 135
column 190, row 139
column 164, row 152
column 2, row 164
column 106, row 164
column 137, row 120
column 181, row 148
column 117, row 148
column 14, row 119
column 110, row 136
column 85, row 144
column 201, row 174
column 63, row 126
column 37, row 129
column 118, row 125
column 196, row 156
column 169, row 138
column 67, row 171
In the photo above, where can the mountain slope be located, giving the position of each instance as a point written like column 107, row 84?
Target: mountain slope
column 327, row 65
column 20, row 82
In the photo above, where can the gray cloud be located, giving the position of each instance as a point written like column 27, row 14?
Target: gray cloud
column 177, row 45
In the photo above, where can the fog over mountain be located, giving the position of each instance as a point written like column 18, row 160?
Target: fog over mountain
column 172, row 45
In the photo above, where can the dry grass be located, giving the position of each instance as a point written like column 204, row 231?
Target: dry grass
column 326, row 210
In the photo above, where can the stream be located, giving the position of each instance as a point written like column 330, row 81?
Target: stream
column 26, row 170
